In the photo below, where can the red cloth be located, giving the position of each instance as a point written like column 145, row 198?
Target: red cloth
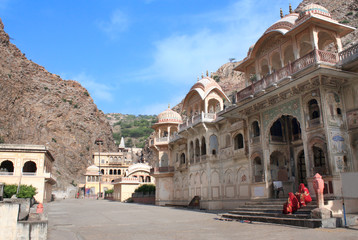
column 303, row 195
column 292, row 204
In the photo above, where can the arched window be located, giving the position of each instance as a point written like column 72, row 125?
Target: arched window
column 141, row 179
column 276, row 61
column 119, row 171
column 313, row 109
column 29, row 167
column 277, row 131
column 288, row 55
column 191, row 152
column 264, row 68
column 203, row 146
column 214, row 144
column 110, row 172
column 197, row 148
column 255, row 129
column 7, row 166
column 114, row 172
column 102, row 171
column 147, row 179
column 182, row 158
column 319, row 158
column 326, row 42
column 239, row 141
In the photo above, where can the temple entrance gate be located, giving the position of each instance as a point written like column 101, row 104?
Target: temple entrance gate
column 287, row 159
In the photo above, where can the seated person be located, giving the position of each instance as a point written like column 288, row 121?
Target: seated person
column 303, row 195
column 292, row 204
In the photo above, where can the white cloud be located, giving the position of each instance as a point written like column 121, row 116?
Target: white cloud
column 99, row 91
column 117, row 23
column 227, row 33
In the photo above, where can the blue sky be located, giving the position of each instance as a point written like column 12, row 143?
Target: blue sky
column 136, row 56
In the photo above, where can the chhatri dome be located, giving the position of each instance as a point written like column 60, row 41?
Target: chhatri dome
column 169, row 116
column 316, row 9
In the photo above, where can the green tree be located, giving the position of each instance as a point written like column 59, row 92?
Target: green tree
column 25, row 191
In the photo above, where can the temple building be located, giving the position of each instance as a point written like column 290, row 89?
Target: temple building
column 110, row 166
column 28, row 165
column 296, row 116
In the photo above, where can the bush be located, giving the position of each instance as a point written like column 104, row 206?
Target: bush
column 110, row 191
column 25, row 191
column 145, row 188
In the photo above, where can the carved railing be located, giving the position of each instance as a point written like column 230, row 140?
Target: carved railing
column 203, row 117
column 349, row 52
column 315, row 56
column 162, row 139
column 303, row 62
column 328, row 57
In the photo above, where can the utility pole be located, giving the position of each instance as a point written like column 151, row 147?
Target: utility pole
column 99, row 142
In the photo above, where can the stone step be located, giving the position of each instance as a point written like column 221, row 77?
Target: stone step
column 277, row 214
column 274, row 207
column 302, row 222
column 272, row 210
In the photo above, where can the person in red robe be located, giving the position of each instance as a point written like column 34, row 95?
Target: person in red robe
column 292, row 204
column 303, row 195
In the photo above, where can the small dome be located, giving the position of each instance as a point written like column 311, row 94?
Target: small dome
column 92, row 170
column 206, row 84
column 314, row 9
column 169, row 116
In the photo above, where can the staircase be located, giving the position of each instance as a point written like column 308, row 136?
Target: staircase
column 270, row 211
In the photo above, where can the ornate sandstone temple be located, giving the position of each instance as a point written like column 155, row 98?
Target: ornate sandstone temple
column 297, row 116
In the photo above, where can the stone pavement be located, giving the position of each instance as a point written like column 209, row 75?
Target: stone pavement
column 101, row 219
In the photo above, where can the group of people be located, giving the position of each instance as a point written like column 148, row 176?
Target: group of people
column 297, row 200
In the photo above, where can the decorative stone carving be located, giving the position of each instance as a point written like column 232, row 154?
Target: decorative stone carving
column 318, row 186
column 289, row 108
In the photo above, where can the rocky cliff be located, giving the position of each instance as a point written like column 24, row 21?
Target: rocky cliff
column 37, row 107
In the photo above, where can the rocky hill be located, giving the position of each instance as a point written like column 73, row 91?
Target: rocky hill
column 37, row 107
column 134, row 129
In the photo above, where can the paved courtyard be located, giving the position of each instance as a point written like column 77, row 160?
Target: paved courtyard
column 102, row 219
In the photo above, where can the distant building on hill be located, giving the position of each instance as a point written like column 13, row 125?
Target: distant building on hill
column 109, row 166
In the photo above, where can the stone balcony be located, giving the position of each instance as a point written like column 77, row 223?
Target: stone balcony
column 203, row 117
column 272, row 80
column 161, row 170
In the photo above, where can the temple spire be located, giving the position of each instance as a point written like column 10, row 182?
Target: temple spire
column 290, row 8
column 121, row 144
column 281, row 13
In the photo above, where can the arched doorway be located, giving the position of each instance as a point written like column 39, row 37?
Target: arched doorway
column 301, row 168
column 287, row 163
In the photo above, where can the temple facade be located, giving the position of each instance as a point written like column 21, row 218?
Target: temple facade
column 296, row 116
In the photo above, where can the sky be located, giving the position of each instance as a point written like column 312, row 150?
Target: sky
column 137, row 56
